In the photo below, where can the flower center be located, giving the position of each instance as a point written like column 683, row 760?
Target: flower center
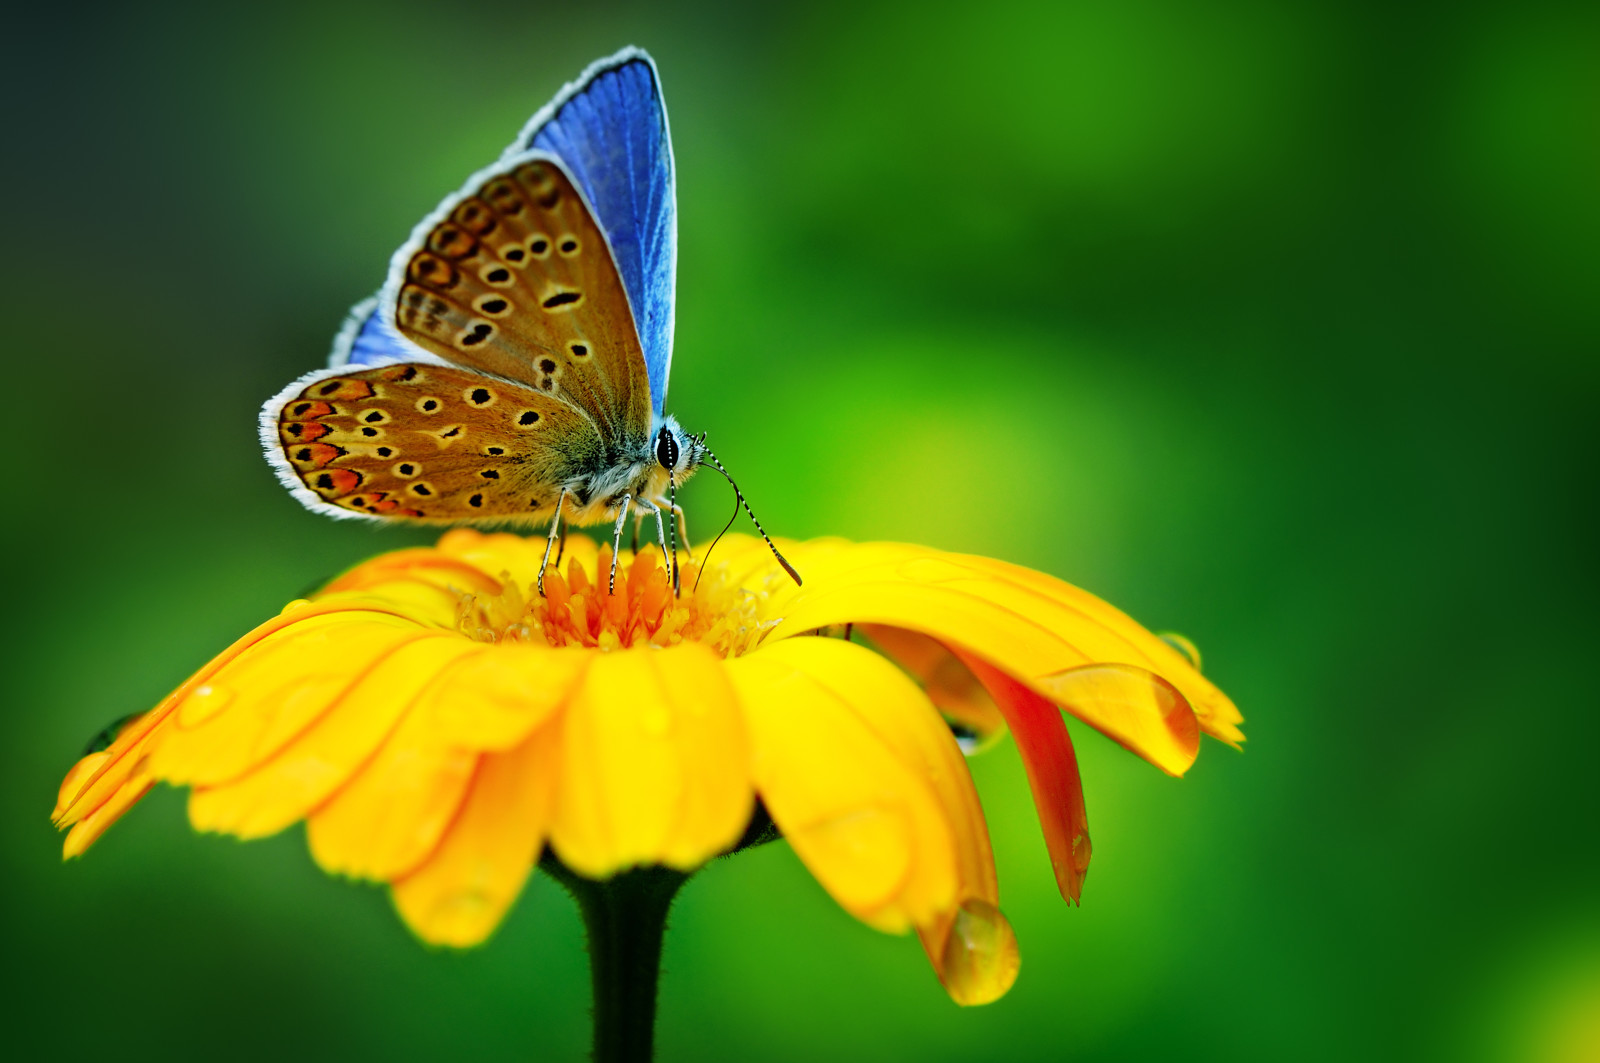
column 578, row 611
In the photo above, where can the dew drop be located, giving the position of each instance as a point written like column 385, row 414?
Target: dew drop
column 108, row 734
column 1082, row 851
column 979, row 960
column 967, row 740
column 1183, row 645
column 206, row 701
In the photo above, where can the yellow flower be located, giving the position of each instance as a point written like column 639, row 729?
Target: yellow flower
column 437, row 725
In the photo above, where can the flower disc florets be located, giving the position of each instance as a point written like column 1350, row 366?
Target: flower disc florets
column 642, row 611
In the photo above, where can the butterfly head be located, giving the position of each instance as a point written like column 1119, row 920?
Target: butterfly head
column 676, row 451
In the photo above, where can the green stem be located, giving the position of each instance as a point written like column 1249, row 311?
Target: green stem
column 625, row 917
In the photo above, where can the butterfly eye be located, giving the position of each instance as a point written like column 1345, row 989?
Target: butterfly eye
column 667, row 450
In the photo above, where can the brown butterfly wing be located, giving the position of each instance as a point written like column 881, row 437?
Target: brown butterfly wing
column 434, row 443
column 518, row 281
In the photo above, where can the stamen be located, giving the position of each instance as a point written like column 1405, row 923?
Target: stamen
column 576, row 610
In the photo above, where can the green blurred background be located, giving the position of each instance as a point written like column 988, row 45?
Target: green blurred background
column 1276, row 324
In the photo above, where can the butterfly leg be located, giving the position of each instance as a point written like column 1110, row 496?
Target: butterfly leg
column 661, row 537
column 683, row 529
column 549, row 544
column 616, row 541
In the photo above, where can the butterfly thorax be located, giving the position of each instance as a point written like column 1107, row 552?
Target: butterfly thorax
column 644, row 475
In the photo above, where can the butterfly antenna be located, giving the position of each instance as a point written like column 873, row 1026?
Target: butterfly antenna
column 672, row 532
column 705, row 558
column 715, row 464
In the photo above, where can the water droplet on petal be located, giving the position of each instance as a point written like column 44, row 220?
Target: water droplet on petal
column 980, row 959
column 967, row 739
column 1082, row 851
column 206, row 701
column 108, row 734
column 1183, row 645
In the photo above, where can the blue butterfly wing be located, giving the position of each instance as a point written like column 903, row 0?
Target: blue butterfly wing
column 610, row 129
column 370, row 338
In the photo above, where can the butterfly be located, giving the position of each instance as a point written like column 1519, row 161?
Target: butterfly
column 513, row 367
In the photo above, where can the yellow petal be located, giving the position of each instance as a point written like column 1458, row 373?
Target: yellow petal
column 390, row 815
column 460, row 894
column 1217, row 714
column 147, row 735
column 862, row 776
column 302, row 775
column 104, row 778
column 90, row 827
column 495, row 697
column 270, row 693
column 1027, row 624
column 76, row 779
column 1136, row 707
column 420, row 596
column 425, row 565
column 654, row 763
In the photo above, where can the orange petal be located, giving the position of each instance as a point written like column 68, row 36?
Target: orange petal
column 949, row 684
column 1052, row 768
column 460, row 893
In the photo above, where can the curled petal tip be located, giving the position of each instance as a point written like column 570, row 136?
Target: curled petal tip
column 979, row 961
column 73, row 785
column 1134, row 706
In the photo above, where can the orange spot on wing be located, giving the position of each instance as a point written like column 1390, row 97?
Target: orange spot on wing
column 339, row 389
column 298, row 432
column 314, row 455
column 335, row 481
column 306, row 410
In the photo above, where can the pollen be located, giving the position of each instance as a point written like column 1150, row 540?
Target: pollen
column 578, row 610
